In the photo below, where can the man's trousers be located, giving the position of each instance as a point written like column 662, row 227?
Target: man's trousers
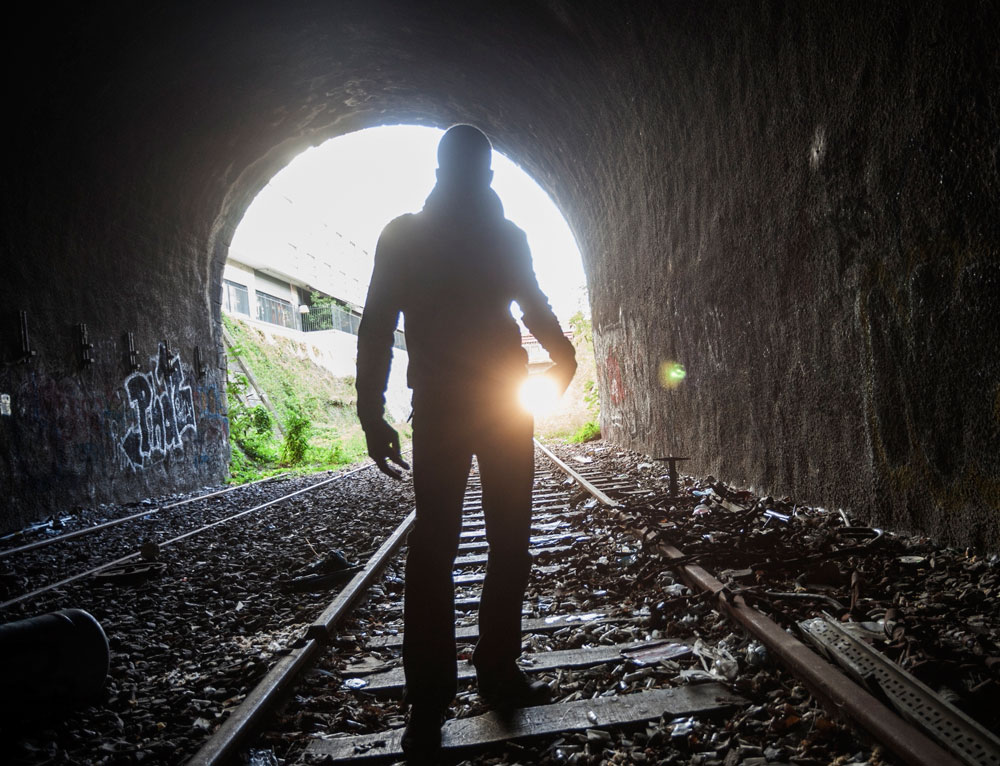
column 446, row 435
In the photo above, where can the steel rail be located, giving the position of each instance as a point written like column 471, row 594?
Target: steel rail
column 842, row 695
column 583, row 482
column 243, row 723
column 837, row 690
column 178, row 538
column 114, row 522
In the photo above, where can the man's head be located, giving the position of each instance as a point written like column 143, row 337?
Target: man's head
column 464, row 156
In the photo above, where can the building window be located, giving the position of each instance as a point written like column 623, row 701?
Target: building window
column 346, row 321
column 235, row 298
column 275, row 310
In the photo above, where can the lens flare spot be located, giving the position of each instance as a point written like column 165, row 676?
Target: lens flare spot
column 672, row 374
column 539, row 394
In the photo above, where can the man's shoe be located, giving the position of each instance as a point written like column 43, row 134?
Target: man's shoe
column 510, row 689
column 422, row 737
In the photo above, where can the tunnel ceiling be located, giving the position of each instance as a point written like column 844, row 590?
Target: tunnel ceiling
column 216, row 99
column 796, row 203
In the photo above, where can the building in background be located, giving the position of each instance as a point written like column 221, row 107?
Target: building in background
column 289, row 272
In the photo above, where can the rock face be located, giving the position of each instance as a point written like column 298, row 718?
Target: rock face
column 794, row 203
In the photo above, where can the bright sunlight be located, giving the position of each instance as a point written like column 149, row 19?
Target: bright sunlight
column 539, row 394
column 296, row 279
column 353, row 185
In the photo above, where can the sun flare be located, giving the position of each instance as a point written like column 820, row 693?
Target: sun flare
column 539, row 395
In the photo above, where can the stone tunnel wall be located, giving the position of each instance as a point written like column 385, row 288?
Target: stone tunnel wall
column 143, row 134
column 794, row 202
column 802, row 213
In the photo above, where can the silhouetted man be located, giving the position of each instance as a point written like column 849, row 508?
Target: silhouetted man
column 453, row 270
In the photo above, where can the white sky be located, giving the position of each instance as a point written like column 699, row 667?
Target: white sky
column 357, row 183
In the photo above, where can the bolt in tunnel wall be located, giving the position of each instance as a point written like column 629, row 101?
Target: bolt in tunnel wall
column 122, row 392
column 796, row 202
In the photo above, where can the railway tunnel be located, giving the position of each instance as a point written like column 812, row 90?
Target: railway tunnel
column 795, row 202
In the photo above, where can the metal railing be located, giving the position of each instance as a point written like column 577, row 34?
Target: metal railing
column 337, row 318
column 275, row 310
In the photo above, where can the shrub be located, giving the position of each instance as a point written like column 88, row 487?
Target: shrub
column 260, row 419
column 240, row 469
column 251, row 428
column 296, row 439
column 586, row 433
column 316, row 410
column 337, row 455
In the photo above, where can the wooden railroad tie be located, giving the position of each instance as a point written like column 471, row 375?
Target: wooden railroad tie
column 489, row 729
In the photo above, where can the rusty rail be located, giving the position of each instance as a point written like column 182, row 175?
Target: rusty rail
column 178, row 538
column 824, row 680
column 834, row 688
column 580, row 479
column 840, row 693
column 142, row 514
column 237, row 730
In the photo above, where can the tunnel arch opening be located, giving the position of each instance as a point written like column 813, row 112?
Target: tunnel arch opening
column 366, row 177
column 301, row 254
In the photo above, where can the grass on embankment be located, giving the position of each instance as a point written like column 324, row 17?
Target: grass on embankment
column 316, row 410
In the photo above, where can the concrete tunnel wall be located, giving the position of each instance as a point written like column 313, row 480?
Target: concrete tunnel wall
column 794, row 201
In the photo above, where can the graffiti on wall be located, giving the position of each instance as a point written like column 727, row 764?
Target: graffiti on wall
column 613, row 373
column 163, row 413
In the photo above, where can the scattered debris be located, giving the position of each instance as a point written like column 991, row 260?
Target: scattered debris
column 131, row 572
column 197, row 628
column 189, row 643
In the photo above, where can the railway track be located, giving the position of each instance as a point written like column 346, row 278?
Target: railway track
column 17, row 547
column 189, row 640
column 141, row 538
column 220, row 660
column 615, row 635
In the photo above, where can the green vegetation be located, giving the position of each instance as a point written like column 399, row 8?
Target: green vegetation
column 252, row 428
column 315, row 410
column 583, row 330
column 313, row 425
column 586, row 433
column 297, row 429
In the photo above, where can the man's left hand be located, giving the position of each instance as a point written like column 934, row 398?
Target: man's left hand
column 383, row 446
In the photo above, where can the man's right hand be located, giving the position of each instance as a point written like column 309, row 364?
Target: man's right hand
column 383, row 446
column 562, row 374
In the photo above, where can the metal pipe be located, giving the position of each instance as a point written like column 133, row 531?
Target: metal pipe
column 51, row 663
